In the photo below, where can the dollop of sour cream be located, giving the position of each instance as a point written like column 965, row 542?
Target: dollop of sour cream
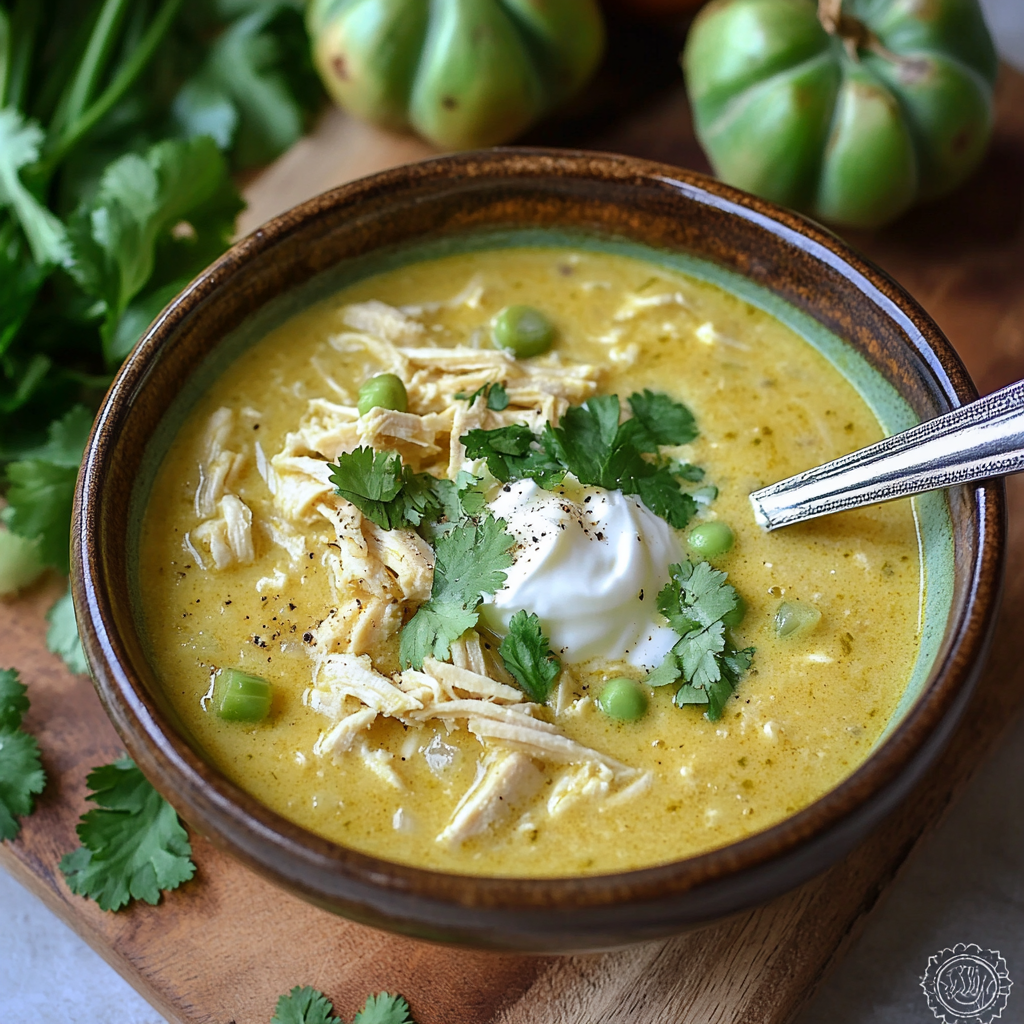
column 590, row 567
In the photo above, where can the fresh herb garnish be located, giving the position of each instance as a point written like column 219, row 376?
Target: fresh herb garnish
column 591, row 444
column 62, row 636
column 527, row 654
column 304, row 1005
column 695, row 601
column 660, row 420
column 21, row 774
column 384, row 1008
column 515, row 453
column 308, row 1005
column 394, row 497
column 41, row 488
column 119, row 125
column 470, row 560
column 132, row 845
column 494, row 394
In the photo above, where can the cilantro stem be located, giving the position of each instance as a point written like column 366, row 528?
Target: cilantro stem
column 97, row 51
column 119, row 85
column 21, row 43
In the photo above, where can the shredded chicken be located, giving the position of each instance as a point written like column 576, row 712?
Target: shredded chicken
column 228, row 536
column 382, row 321
column 508, row 778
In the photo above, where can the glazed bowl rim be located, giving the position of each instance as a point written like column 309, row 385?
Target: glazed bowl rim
column 226, row 811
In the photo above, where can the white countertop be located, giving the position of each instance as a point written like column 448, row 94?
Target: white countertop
column 965, row 885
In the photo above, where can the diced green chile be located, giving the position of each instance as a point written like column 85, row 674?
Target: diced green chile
column 622, row 699
column 794, row 618
column 523, row 331
column 385, row 391
column 709, row 540
column 240, row 697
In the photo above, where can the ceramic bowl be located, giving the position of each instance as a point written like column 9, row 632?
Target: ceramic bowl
column 772, row 257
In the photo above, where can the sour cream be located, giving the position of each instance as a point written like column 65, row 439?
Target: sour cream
column 590, row 568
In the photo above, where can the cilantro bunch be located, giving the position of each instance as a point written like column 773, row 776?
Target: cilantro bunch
column 120, row 124
column 306, row 1005
column 596, row 448
column 700, row 606
column 21, row 774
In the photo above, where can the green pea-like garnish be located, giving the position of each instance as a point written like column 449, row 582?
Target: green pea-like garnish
column 523, row 331
column 709, row 540
column 385, row 391
column 622, row 699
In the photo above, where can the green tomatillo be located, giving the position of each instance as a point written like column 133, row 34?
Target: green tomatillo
column 852, row 110
column 461, row 73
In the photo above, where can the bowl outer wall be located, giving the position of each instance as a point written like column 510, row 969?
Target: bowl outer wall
column 657, row 205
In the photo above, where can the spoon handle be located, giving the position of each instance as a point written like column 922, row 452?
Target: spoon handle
column 977, row 441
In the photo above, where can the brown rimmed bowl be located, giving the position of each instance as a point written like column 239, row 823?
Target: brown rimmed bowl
column 621, row 201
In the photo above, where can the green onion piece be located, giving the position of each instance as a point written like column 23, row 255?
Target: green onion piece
column 240, row 697
column 795, row 617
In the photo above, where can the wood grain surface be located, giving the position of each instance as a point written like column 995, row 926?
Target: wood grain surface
column 223, row 947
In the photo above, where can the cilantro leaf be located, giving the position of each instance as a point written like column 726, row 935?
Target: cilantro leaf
column 304, row 1005
column 686, row 471
column 116, row 233
column 527, row 654
column 21, row 773
column 695, row 601
column 21, row 778
column 494, row 394
column 371, row 481
column 13, row 702
column 432, row 630
column 20, row 564
column 133, row 845
column 384, row 1008
column 664, row 421
column 515, row 453
column 661, row 494
column 469, row 562
column 596, row 449
column 62, row 636
column 392, row 496
column 41, row 489
column 20, row 144
column 256, row 86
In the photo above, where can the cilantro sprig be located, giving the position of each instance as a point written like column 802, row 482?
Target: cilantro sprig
column 699, row 603
column 470, row 561
column 515, row 453
column 306, row 1005
column 527, row 654
column 21, row 775
column 391, row 495
column 133, row 845
column 596, row 448
column 494, row 395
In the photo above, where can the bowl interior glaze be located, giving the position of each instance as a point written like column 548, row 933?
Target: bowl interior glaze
column 862, row 322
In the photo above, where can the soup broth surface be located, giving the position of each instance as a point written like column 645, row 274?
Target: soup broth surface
column 766, row 404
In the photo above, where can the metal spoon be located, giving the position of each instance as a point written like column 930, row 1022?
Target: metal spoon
column 975, row 442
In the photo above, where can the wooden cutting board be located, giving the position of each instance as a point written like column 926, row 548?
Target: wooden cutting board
column 223, row 947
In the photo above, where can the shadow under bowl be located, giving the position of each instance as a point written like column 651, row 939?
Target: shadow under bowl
column 628, row 201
